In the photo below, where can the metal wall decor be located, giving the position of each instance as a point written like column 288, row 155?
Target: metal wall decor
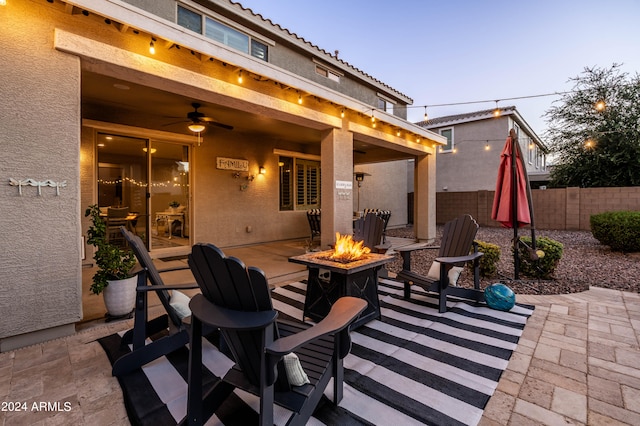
column 37, row 184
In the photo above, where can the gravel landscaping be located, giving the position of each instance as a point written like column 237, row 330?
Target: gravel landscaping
column 585, row 262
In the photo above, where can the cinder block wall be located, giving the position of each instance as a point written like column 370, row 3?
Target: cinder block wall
column 561, row 208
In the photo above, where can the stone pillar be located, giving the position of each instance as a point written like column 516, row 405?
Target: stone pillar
column 424, row 222
column 337, row 185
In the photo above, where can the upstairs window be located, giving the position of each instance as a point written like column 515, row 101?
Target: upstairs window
column 326, row 72
column 222, row 33
column 447, row 133
column 385, row 105
column 189, row 19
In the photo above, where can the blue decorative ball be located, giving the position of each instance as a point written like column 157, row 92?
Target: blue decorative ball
column 499, row 296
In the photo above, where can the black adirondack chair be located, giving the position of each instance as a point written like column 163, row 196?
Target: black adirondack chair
column 236, row 300
column 385, row 215
column 313, row 216
column 369, row 229
column 456, row 248
column 175, row 304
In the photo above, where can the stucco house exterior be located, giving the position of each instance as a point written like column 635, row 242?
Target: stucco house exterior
column 469, row 160
column 97, row 97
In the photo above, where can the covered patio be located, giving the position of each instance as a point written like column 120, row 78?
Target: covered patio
column 574, row 363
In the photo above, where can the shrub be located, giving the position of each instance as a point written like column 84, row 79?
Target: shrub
column 618, row 230
column 488, row 262
column 549, row 254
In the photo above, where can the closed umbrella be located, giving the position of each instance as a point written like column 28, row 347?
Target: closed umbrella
column 512, row 205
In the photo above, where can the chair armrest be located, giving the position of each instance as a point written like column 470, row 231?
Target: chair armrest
column 189, row 286
column 219, row 317
column 459, row 259
column 174, row 268
column 414, row 247
column 342, row 313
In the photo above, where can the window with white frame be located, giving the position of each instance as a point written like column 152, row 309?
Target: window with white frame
column 385, row 105
column 222, row 33
column 326, row 72
column 447, row 133
column 299, row 183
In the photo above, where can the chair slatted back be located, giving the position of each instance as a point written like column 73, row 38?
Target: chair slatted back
column 458, row 236
column 369, row 229
column 313, row 216
column 141, row 253
column 227, row 282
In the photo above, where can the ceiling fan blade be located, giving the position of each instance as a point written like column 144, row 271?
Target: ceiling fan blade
column 224, row 126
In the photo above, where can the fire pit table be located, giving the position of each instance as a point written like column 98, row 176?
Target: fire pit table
column 358, row 278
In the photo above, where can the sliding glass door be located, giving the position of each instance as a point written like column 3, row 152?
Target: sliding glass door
column 150, row 179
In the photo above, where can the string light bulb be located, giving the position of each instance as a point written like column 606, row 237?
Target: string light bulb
column 486, row 146
column 299, row 99
column 342, row 113
column 152, row 47
column 240, row 77
column 600, row 105
column 3, row 2
column 426, row 117
column 496, row 112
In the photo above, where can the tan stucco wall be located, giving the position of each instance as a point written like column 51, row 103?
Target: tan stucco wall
column 385, row 189
column 222, row 211
column 39, row 138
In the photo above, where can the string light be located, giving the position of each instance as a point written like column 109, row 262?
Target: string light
column 152, row 47
column 240, row 77
column 342, row 113
column 426, row 117
column 486, row 146
column 600, row 105
column 496, row 112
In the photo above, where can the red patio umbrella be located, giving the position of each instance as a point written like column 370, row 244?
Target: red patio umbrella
column 512, row 205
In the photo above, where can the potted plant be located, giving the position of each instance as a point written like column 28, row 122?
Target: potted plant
column 114, row 268
column 174, row 205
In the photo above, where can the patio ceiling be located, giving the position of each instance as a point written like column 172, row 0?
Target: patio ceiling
column 109, row 99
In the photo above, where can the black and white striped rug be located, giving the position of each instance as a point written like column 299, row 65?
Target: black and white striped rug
column 414, row 366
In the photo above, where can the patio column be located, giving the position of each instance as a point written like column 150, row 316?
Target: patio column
column 424, row 222
column 337, row 173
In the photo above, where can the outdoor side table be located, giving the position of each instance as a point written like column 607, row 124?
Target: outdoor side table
column 357, row 279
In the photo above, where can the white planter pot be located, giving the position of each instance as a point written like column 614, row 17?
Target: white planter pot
column 120, row 296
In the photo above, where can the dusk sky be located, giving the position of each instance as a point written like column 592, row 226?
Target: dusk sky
column 441, row 52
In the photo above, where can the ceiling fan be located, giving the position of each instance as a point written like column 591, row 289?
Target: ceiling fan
column 198, row 121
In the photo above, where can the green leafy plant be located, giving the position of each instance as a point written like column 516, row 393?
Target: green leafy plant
column 489, row 262
column 618, row 230
column 174, row 204
column 113, row 262
column 549, row 253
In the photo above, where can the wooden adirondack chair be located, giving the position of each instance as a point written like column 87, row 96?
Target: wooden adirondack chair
column 456, row 248
column 236, row 300
column 175, row 303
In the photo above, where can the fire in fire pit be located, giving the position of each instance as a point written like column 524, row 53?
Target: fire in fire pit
column 347, row 250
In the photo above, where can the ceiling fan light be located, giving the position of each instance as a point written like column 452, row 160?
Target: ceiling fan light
column 196, row 127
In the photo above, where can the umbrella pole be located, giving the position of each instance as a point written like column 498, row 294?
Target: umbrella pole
column 530, row 203
column 514, row 203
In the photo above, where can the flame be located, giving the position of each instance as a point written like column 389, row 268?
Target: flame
column 347, row 250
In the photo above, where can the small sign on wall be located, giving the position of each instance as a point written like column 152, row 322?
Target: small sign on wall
column 344, row 184
column 236, row 164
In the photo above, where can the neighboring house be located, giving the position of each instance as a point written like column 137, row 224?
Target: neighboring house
column 97, row 97
column 469, row 160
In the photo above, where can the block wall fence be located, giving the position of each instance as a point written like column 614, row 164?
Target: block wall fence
column 561, row 209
